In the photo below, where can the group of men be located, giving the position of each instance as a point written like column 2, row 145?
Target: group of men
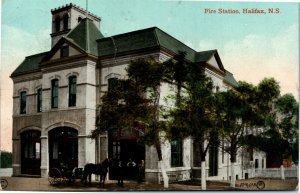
column 130, row 167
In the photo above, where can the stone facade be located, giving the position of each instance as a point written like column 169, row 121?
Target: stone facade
column 92, row 70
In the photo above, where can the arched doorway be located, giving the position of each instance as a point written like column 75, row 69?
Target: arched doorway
column 63, row 147
column 31, row 152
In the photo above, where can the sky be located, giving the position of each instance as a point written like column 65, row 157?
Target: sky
column 251, row 46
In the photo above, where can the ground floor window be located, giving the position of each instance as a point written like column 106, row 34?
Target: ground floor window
column 176, row 153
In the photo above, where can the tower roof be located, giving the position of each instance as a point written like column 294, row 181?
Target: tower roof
column 84, row 35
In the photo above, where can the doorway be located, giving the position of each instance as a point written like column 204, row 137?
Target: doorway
column 31, row 152
column 124, row 146
column 63, row 147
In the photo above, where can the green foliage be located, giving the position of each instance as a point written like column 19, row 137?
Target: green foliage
column 6, row 159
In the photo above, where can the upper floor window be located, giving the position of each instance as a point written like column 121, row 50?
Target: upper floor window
column 39, row 100
column 176, row 153
column 23, row 101
column 54, row 93
column 112, row 83
column 64, row 51
column 66, row 21
column 57, row 24
column 79, row 19
column 72, row 91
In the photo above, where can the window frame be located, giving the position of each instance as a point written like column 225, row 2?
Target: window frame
column 65, row 22
column 72, row 91
column 54, row 93
column 39, row 99
column 176, row 152
column 23, row 102
column 57, row 24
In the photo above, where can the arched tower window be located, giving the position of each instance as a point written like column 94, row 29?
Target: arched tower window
column 66, row 21
column 57, row 24
column 79, row 19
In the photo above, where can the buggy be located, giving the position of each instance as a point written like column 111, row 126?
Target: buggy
column 64, row 176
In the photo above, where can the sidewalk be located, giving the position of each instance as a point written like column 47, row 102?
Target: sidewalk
column 42, row 184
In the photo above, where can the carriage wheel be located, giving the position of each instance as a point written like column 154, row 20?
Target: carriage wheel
column 54, row 176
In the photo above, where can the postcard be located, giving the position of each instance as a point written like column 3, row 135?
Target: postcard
column 149, row 95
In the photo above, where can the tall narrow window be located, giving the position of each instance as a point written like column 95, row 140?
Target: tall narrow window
column 39, row 100
column 72, row 91
column 54, row 93
column 176, row 153
column 23, row 102
column 57, row 24
column 112, row 83
column 66, row 21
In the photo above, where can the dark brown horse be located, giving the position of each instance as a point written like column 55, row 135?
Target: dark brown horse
column 98, row 169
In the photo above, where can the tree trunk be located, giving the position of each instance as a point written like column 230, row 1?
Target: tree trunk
column 203, row 176
column 232, row 181
column 162, row 166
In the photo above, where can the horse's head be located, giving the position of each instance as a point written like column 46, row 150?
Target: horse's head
column 110, row 162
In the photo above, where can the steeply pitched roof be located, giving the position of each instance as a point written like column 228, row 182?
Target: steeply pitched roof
column 230, row 79
column 204, row 56
column 84, row 35
column 30, row 64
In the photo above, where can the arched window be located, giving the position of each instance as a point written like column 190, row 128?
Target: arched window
column 79, row 19
column 23, row 101
column 112, row 83
column 72, row 91
column 54, row 93
column 66, row 21
column 57, row 24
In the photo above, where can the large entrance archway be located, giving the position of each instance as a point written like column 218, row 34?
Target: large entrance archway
column 31, row 152
column 124, row 145
column 63, row 147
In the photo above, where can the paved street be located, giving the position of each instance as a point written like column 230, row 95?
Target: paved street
column 42, row 184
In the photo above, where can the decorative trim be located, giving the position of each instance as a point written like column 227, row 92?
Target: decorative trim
column 54, row 77
column 28, row 128
column 72, row 74
column 63, row 124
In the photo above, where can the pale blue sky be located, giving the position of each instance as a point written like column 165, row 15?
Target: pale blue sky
column 251, row 46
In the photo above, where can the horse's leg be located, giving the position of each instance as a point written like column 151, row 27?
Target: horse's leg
column 90, row 179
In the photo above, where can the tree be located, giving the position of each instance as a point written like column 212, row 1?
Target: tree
column 6, row 159
column 135, row 103
column 241, row 111
column 194, row 114
column 280, row 136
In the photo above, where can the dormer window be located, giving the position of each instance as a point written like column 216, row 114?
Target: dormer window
column 66, row 21
column 64, row 51
column 57, row 24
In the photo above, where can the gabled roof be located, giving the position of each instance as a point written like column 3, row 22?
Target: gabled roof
column 84, row 35
column 207, row 55
column 230, row 79
column 30, row 64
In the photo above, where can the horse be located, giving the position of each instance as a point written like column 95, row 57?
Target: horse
column 97, row 169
